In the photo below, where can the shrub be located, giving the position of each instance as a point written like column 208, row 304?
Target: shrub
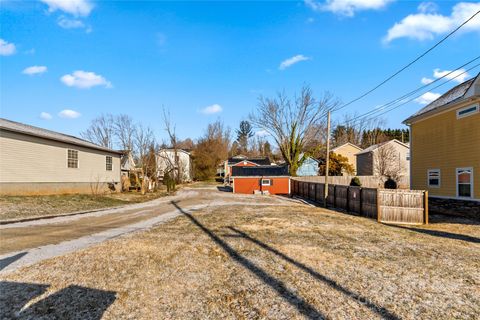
column 355, row 182
column 390, row 184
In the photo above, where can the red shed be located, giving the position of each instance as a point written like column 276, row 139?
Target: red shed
column 274, row 179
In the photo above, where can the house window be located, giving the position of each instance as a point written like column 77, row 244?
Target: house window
column 109, row 163
column 467, row 111
column 465, row 182
column 408, row 156
column 266, row 182
column 434, row 178
column 72, row 158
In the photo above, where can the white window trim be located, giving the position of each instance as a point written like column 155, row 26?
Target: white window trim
column 439, row 178
column 471, row 182
column 106, row 163
column 78, row 158
column 269, row 182
column 477, row 110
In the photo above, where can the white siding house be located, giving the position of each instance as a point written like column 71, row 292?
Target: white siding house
column 39, row 161
column 181, row 160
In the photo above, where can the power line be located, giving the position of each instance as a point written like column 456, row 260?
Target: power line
column 409, row 64
column 362, row 117
column 384, row 106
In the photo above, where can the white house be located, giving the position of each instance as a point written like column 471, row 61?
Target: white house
column 39, row 161
column 178, row 160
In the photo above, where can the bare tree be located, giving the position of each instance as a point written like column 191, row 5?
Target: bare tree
column 101, row 131
column 387, row 163
column 172, row 166
column 293, row 125
column 144, row 144
column 355, row 131
column 124, row 130
column 210, row 150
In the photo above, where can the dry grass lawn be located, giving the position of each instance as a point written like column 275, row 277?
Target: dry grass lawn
column 261, row 263
column 18, row 207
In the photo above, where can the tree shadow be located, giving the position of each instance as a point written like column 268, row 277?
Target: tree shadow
column 288, row 295
column 72, row 302
column 5, row 262
column 15, row 295
column 437, row 233
column 224, row 188
column 384, row 313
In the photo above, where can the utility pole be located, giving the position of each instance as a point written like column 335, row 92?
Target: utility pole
column 327, row 162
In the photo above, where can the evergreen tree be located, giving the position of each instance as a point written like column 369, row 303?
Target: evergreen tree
column 244, row 132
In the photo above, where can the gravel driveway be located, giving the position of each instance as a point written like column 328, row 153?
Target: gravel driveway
column 26, row 243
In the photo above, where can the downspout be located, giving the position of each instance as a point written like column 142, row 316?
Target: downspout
column 411, row 153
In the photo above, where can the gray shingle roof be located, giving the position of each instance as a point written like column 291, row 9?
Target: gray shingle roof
column 378, row 145
column 48, row 134
column 451, row 96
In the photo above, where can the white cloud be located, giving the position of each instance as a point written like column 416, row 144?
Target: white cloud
column 426, row 80
column 214, row 108
column 85, row 80
column 73, row 7
column 34, row 70
column 69, row 114
column 457, row 75
column 428, row 7
column 427, row 97
column 426, row 24
column 6, row 48
column 291, row 61
column 67, row 23
column 45, row 116
column 262, row 133
column 347, row 7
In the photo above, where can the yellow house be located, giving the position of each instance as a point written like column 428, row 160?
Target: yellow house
column 348, row 150
column 445, row 146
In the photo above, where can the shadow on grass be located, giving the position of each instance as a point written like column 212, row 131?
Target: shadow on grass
column 288, row 295
column 384, row 313
column 5, row 262
column 225, row 188
column 441, row 234
column 72, row 302
column 450, row 219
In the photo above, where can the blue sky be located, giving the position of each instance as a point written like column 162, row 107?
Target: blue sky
column 73, row 60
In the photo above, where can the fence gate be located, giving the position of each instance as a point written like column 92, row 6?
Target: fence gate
column 403, row 206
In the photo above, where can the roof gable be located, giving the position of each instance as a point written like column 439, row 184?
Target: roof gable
column 347, row 144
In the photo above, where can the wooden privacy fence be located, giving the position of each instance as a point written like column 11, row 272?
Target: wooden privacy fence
column 385, row 205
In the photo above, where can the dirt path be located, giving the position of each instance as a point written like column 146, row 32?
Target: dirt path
column 29, row 242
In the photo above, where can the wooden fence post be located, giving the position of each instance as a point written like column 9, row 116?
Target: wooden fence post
column 379, row 214
column 425, row 207
column 348, row 199
column 360, row 200
column 315, row 190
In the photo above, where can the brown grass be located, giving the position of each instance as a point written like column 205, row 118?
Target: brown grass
column 17, row 207
column 270, row 262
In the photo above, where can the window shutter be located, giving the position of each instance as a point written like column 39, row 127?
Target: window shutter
column 271, row 181
column 260, row 182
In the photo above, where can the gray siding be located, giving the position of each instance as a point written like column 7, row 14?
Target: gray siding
column 29, row 159
column 365, row 164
